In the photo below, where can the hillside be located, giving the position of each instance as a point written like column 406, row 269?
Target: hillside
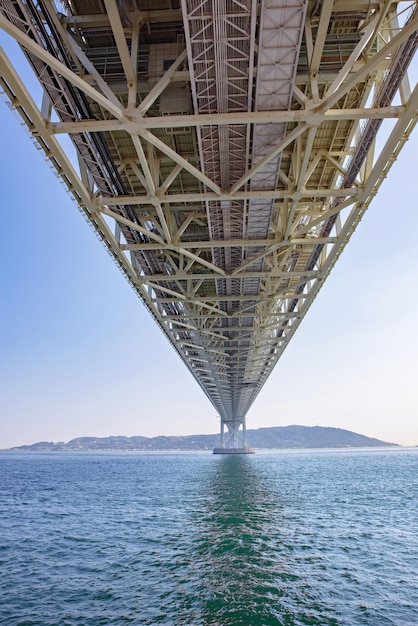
column 282, row 437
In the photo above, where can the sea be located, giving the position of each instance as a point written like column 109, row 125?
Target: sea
column 318, row 537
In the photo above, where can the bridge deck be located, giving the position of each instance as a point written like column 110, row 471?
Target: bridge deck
column 226, row 153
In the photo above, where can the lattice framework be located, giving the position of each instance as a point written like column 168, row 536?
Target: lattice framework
column 226, row 153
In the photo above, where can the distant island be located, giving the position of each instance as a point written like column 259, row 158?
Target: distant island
column 279, row 437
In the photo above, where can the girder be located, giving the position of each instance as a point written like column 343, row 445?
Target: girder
column 226, row 151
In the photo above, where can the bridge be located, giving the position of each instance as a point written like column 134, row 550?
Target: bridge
column 226, row 151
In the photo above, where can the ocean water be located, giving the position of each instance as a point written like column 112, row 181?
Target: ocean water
column 322, row 538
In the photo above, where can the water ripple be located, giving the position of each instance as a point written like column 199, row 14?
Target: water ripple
column 281, row 539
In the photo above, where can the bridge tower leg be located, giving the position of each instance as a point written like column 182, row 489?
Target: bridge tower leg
column 235, row 441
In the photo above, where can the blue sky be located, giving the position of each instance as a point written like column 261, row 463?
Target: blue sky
column 79, row 354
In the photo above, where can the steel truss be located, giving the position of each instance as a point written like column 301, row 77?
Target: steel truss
column 226, row 153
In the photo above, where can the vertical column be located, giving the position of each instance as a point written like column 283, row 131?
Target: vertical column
column 235, row 441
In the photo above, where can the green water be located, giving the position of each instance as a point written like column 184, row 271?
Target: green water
column 285, row 538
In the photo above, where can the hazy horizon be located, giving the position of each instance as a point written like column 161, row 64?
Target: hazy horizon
column 169, row 435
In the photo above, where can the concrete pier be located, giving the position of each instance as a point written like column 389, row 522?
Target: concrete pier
column 233, row 451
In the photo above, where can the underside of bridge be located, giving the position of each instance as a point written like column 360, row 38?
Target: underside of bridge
column 226, row 151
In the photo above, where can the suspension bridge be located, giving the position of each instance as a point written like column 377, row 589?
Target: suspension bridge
column 226, row 151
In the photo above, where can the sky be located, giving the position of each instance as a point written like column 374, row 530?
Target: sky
column 80, row 355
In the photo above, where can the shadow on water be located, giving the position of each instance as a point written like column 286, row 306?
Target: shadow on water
column 245, row 564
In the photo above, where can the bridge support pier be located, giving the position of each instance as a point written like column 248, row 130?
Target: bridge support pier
column 234, row 441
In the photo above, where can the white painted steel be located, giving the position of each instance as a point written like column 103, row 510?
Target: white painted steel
column 226, row 153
